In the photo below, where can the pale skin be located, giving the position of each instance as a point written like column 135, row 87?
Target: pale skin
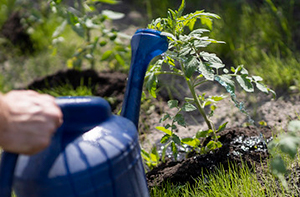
column 28, row 121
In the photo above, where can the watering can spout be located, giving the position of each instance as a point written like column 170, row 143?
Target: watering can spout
column 145, row 45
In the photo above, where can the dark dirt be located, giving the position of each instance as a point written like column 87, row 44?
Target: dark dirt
column 14, row 31
column 104, row 84
column 240, row 144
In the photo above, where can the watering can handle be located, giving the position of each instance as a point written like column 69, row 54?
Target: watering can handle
column 7, row 169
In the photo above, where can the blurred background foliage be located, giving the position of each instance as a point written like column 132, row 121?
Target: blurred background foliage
column 40, row 37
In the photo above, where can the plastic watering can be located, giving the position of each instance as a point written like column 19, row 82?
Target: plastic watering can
column 94, row 153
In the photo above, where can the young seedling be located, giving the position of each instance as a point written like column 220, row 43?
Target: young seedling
column 186, row 58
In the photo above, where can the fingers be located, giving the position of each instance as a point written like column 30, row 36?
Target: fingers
column 33, row 118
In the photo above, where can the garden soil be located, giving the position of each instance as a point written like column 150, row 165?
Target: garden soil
column 243, row 143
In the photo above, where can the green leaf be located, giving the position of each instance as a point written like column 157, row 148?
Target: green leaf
column 210, row 57
column 193, row 142
column 165, row 138
column 176, row 139
column 112, row 2
column 211, row 145
column 245, row 82
column 206, row 21
column 226, row 82
column 106, row 55
column 181, row 8
column 169, row 35
column 180, row 120
column 59, row 29
column 198, row 32
column 222, row 127
column 188, row 107
column 206, row 71
column 145, row 155
column 151, row 84
column 172, row 103
column 191, row 66
column 278, row 166
column 294, row 126
column 163, row 129
column 174, row 150
column 113, row 15
column 289, row 145
column 262, row 87
column 119, row 59
column 203, row 134
column 257, row 78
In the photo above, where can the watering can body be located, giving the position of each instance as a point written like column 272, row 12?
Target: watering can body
column 104, row 161
column 94, row 153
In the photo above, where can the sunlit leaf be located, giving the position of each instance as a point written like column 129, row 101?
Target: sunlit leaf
column 106, row 55
column 245, row 83
column 172, row 103
column 113, row 15
column 165, row 138
column 163, row 129
column 151, row 84
column 193, row 142
column 188, row 107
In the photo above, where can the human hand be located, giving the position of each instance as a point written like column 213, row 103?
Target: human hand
column 27, row 121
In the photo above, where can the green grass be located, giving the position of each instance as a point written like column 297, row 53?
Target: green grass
column 236, row 182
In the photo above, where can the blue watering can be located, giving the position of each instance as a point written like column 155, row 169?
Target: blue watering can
column 94, row 153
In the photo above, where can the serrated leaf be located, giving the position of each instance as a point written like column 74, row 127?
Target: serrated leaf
column 172, row 103
column 193, row 142
column 245, row 83
column 188, row 107
column 191, row 66
column 206, row 71
column 163, row 129
column 165, row 138
column 176, row 139
column 226, row 82
column 180, row 120
column 211, row 57
column 261, row 87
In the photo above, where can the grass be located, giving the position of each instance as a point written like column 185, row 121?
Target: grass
column 236, row 182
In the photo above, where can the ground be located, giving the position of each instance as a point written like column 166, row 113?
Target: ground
column 240, row 142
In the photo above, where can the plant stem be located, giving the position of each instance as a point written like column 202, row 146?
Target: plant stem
column 199, row 106
column 196, row 100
